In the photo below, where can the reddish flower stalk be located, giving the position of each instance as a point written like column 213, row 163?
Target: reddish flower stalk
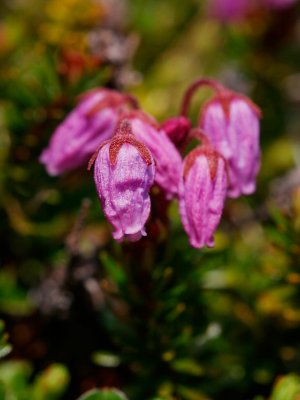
column 185, row 105
column 200, row 134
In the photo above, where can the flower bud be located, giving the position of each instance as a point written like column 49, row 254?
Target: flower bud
column 124, row 172
column 231, row 122
column 167, row 158
column 202, row 193
column 92, row 121
column 177, row 129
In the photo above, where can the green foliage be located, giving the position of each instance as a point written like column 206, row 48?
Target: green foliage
column 287, row 388
column 5, row 347
column 51, row 383
column 16, row 384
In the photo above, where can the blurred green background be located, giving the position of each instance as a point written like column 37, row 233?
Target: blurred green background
column 158, row 320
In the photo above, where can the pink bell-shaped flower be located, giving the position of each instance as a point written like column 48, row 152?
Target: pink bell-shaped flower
column 167, row 158
column 92, row 121
column 124, row 173
column 231, row 122
column 202, row 192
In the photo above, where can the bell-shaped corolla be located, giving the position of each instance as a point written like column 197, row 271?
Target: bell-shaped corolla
column 202, row 193
column 124, row 173
column 231, row 122
column 92, row 121
column 167, row 158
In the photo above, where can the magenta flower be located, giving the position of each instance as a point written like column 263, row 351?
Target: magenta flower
column 167, row 158
column 229, row 10
column 124, row 172
column 93, row 120
column 177, row 129
column 202, row 193
column 231, row 122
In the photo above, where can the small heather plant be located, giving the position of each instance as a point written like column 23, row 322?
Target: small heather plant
column 133, row 152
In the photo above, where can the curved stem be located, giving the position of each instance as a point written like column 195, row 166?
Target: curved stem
column 200, row 134
column 185, row 105
column 94, row 156
column 133, row 101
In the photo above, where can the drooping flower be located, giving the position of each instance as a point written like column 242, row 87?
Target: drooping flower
column 231, row 122
column 177, row 129
column 202, row 192
column 167, row 158
column 92, row 121
column 124, row 172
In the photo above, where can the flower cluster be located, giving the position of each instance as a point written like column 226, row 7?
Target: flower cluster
column 131, row 152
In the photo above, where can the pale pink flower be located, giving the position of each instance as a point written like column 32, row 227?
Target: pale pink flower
column 202, row 193
column 124, row 173
column 92, row 121
column 231, row 122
